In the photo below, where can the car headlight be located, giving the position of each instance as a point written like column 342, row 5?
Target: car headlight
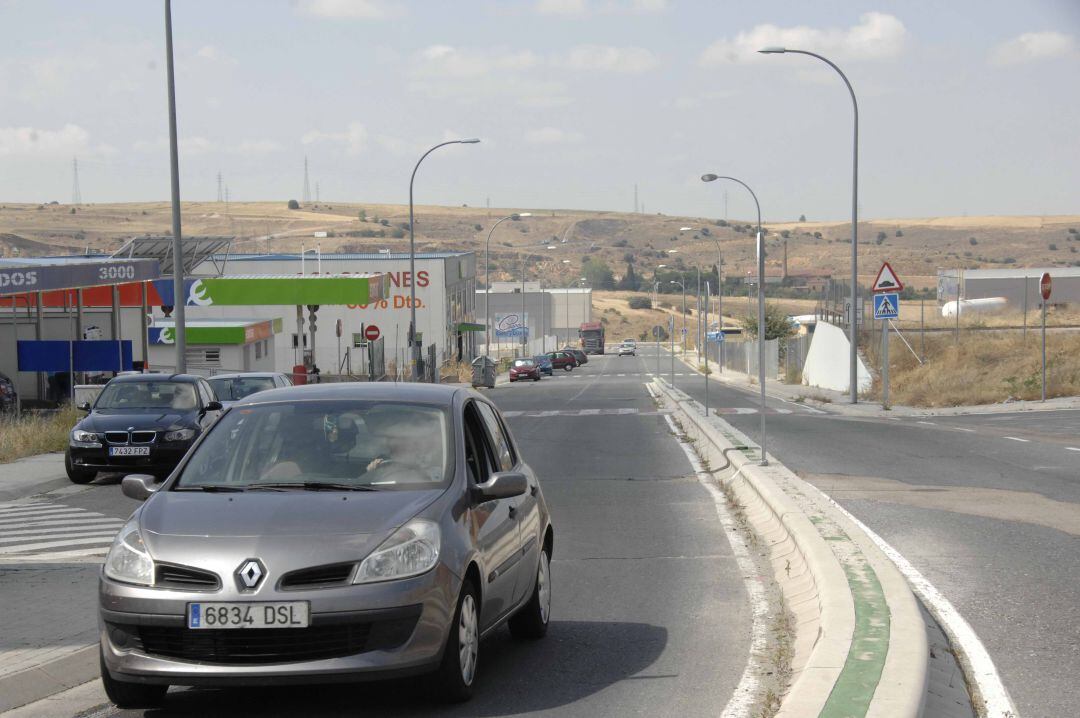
column 128, row 560
column 180, row 435
column 84, row 437
column 410, row 551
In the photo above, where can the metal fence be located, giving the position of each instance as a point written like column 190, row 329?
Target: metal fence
column 742, row 356
column 793, row 351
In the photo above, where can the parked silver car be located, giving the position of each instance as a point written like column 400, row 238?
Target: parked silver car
column 327, row 533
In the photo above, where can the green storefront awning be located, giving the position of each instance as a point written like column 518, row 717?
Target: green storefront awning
column 264, row 290
column 470, row 327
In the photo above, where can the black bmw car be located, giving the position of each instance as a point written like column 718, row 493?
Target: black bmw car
column 141, row 423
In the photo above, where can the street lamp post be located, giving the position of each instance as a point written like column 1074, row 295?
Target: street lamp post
column 487, row 279
column 852, row 373
column 683, row 287
column 720, row 301
column 761, row 301
column 179, row 323
column 414, row 348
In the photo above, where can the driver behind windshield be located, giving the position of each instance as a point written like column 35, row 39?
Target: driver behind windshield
column 410, row 454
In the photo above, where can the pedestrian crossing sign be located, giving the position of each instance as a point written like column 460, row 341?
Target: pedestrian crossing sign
column 886, row 306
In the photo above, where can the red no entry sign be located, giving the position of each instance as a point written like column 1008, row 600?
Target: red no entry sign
column 1044, row 285
column 371, row 332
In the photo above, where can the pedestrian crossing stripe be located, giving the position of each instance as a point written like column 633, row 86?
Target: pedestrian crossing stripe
column 39, row 531
column 625, row 411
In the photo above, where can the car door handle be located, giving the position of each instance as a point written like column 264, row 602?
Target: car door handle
column 513, row 511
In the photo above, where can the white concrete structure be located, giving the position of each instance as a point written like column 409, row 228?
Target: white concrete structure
column 826, row 363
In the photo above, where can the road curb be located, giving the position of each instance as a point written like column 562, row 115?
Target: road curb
column 46, row 679
column 860, row 642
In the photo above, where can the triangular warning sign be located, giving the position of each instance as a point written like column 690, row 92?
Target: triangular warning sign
column 885, row 307
column 887, row 281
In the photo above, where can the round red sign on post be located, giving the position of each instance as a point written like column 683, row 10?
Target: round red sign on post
column 338, row 327
column 371, row 332
column 1044, row 285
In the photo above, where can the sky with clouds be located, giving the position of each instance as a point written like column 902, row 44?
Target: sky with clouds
column 966, row 106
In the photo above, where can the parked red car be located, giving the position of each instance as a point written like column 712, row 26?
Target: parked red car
column 524, row 369
column 562, row 360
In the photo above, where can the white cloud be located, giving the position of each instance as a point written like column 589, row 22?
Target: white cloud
column 214, row 54
column 552, row 136
column 1033, row 46
column 605, row 58
column 877, row 36
column 354, row 138
column 69, row 140
column 195, row 145
column 561, row 7
column 350, row 9
column 581, row 8
column 452, row 62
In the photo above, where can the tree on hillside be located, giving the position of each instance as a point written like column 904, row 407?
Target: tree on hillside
column 629, row 281
column 802, row 217
column 293, row 204
column 598, row 274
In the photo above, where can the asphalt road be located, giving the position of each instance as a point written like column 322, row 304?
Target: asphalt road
column 650, row 615
column 986, row 506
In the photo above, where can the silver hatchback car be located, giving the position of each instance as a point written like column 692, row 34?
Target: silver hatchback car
column 328, row 533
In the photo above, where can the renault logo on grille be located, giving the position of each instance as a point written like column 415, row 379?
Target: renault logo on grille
column 250, row 574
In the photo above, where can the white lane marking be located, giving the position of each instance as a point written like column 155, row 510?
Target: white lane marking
column 1016, row 438
column 59, row 515
column 930, row 423
column 70, row 521
column 66, row 527
column 1072, row 448
column 37, row 511
column 83, row 553
column 53, row 544
column 960, row 428
column 996, row 699
column 745, row 695
column 88, row 533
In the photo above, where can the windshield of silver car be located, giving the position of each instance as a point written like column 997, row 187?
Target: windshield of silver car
column 323, row 444
column 178, row 396
column 236, row 389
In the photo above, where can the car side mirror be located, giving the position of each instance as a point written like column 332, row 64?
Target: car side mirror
column 502, row 485
column 85, row 406
column 138, row 486
column 213, row 406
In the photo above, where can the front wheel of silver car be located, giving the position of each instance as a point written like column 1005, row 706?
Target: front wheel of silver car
column 532, row 620
column 457, row 673
column 131, row 695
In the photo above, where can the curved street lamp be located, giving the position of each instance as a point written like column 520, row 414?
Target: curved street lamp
column 761, row 300
column 854, row 337
column 487, row 280
column 414, row 349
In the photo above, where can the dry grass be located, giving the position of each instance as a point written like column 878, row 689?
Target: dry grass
column 33, row 434
column 983, row 368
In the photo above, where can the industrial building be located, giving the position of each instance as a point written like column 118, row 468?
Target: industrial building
column 551, row 311
column 1019, row 287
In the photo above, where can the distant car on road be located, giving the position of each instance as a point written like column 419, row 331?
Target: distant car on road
column 627, row 350
column 9, row 398
column 544, row 362
column 524, row 369
column 234, row 387
column 329, row 533
column 141, row 423
column 562, row 360
column 580, row 356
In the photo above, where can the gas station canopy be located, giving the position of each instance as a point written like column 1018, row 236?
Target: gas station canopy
column 24, row 275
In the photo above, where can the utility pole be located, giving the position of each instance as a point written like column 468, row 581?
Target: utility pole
column 76, row 193
column 220, row 194
column 317, row 199
column 226, row 199
column 635, row 200
column 306, row 197
column 179, row 323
